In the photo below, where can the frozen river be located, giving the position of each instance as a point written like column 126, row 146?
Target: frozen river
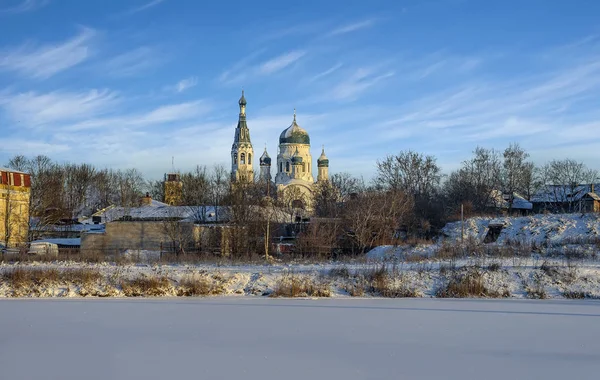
column 257, row 338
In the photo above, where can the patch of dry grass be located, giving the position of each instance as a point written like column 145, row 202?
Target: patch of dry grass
column 466, row 284
column 535, row 289
column 200, row 285
column 146, row 287
column 300, row 286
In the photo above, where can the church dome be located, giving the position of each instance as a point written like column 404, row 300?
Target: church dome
column 323, row 161
column 296, row 158
column 294, row 134
column 265, row 159
column 242, row 101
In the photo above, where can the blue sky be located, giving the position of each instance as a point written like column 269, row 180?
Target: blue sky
column 132, row 83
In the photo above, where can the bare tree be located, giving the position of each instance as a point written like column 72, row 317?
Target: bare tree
column 220, row 183
column 375, row 217
column 410, row 172
column 326, row 200
column 347, row 185
column 562, row 178
column 197, row 192
column 179, row 233
column 79, row 179
column 517, row 173
column 156, row 189
column 476, row 181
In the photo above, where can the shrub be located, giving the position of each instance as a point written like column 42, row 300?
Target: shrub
column 190, row 286
column 466, row 284
column 300, row 286
column 146, row 286
column 340, row 272
column 536, row 289
column 494, row 267
column 571, row 294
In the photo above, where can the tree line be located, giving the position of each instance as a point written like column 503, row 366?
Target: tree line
column 409, row 196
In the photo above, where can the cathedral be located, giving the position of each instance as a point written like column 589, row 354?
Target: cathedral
column 294, row 178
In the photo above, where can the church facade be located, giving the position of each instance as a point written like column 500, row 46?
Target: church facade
column 294, row 165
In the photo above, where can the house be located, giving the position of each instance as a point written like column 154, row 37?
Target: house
column 15, row 192
column 502, row 202
column 567, row 198
column 156, row 226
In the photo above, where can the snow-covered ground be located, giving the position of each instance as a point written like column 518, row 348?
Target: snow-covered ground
column 511, row 277
column 257, row 338
column 539, row 229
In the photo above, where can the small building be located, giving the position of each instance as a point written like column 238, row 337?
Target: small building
column 590, row 202
column 502, row 202
column 566, row 198
column 15, row 192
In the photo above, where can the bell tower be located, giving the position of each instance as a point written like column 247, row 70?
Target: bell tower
column 241, row 150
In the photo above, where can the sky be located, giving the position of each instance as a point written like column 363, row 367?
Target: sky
column 139, row 83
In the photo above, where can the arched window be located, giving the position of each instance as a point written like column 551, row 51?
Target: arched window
column 287, row 166
column 249, row 158
column 235, row 159
column 243, row 159
column 280, row 167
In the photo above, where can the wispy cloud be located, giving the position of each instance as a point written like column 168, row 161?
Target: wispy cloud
column 165, row 114
column 145, row 6
column 45, row 61
column 352, row 27
column 233, row 72
column 33, row 109
column 361, row 80
column 251, row 69
column 326, row 72
column 25, row 6
column 185, row 84
column 280, row 62
column 132, row 63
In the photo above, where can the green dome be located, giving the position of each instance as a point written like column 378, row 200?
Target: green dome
column 294, row 134
column 323, row 161
column 296, row 158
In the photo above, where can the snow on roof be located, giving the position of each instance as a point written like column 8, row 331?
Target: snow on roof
column 562, row 193
column 502, row 201
column 60, row 241
column 594, row 196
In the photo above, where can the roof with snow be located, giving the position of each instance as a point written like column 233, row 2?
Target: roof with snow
column 74, row 242
column 563, row 193
column 503, row 200
column 197, row 214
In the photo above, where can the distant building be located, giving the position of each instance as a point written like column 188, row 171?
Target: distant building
column 15, row 192
column 567, row 198
column 294, row 178
column 173, row 189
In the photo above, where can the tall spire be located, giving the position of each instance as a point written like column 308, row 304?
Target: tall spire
column 242, row 103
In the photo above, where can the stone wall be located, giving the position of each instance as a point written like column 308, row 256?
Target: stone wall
column 153, row 236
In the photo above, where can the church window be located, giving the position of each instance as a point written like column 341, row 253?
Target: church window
column 281, row 167
column 287, row 166
column 235, row 159
column 243, row 159
column 249, row 158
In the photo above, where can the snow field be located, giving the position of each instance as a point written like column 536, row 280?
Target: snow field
column 483, row 277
